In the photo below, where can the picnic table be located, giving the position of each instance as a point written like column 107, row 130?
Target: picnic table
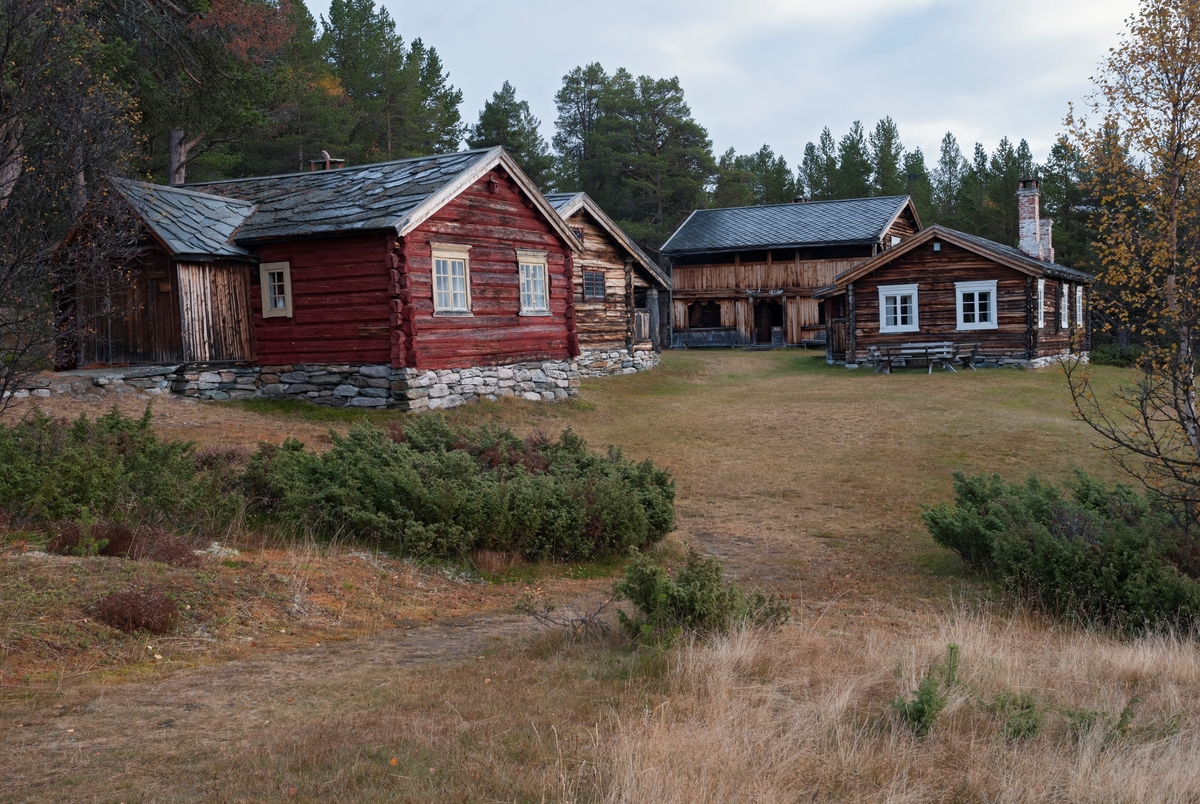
column 939, row 353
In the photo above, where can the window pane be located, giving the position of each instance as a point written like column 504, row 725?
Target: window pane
column 889, row 311
column 458, row 277
column 985, row 307
column 968, row 308
column 533, row 286
column 276, row 292
column 906, row 311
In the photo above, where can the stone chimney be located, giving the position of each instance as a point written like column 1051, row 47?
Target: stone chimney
column 1035, row 233
column 326, row 162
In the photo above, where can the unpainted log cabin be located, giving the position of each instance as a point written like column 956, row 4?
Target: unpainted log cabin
column 748, row 275
column 435, row 262
column 618, row 303
column 942, row 285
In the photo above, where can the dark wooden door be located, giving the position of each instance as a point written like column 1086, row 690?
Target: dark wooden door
column 837, row 333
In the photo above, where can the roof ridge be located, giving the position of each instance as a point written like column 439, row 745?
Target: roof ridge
column 805, row 203
column 175, row 188
column 342, row 170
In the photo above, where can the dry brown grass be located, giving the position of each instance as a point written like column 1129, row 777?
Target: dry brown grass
column 804, row 715
column 807, row 480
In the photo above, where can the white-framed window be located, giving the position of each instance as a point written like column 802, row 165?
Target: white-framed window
column 275, row 279
column 535, row 298
column 895, row 240
column 1064, row 310
column 1041, row 303
column 976, row 302
column 1079, row 305
column 451, row 279
column 898, row 308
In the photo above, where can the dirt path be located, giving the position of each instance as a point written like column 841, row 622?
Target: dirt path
column 215, row 710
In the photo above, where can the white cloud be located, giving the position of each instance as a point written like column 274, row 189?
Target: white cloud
column 776, row 71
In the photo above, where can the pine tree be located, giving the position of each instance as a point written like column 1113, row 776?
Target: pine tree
column 1006, row 168
column 753, row 179
column 947, row 182
column 887, row 153
column 1064, row 177
column 917, row 184
column 578, row 104
column 818, row 169
column 651, row 161
column 853, row 175
column 735, row 182
column 506, row 121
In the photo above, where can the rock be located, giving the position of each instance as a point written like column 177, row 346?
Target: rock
column 268, row 379
column 228, row 376
column 272, row 389
column 153, row 391
column 345, row 391
column 438, row 391
column 375, row 371
column 531, row 396
column 451, row 401
column 301, row 388
column 209, row 376
column 327, row 379
column 218, row 395
column 560, row 394
column 537, row 375
column 241, row 394
column 375, row 393
column 367, row 402
column 504, row 373
column 547, row 396
column 293, row 376
column 20, row 393
column 379, row 382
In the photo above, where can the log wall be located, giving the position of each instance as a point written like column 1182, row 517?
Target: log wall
column 935, row 274
column 494, row 224
column 340, row 303
column 214, row 309
column 146, row 328
column 601, row 324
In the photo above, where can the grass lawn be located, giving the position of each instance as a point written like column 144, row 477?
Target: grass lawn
column 806, row 479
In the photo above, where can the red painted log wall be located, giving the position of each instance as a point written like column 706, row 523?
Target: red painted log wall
column 494, row 224
column 339, row 284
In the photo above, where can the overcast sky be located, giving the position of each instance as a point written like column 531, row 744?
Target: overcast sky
column 777, row 71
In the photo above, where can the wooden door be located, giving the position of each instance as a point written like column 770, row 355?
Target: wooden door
column 837, row 335
column 214, row 308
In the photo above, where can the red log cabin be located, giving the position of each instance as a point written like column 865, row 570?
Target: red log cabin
column 419, row 282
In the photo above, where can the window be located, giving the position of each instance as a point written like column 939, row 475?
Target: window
column 451, row 279
column 593, row 284
column 1064, row 312
column 895, row 240
column 276, row 281
column 976, row 304
column 1041, row 303
column 1079, row 305
column 937, row 246
column 704, row 315
column 578, row 231
column 898, row 308
column 534, row 299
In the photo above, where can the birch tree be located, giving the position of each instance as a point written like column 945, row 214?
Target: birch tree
column 1139, row 134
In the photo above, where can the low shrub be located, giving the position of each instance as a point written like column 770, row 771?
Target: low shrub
column 115, row 468
column 697, row 599
column 921, row 713
column 1022, row 719
column 146, row 543
column 1101, row 554
column 432, row 490
column 1110, row 354
column 139, row 610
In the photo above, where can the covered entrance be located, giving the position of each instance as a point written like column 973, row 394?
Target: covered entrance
column 768, row 322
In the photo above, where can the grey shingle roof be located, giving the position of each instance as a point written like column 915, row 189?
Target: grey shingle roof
column 187, row 222
column 560, row 200
column 1048, row 268
column 816, row 223
column 363, row 198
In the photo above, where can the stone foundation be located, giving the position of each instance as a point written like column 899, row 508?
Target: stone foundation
column 349, row 384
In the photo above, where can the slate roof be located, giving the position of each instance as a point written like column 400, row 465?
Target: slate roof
column 188, row 223
column 816, row 223
column 567, row 204
column 1052, row 269
column 363, row 198
column 1005, row 255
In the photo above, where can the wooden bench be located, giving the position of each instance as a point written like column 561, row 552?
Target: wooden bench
column 941, row 353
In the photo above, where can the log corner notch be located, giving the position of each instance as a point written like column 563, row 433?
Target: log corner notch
column 572, row 331
column 403, row 350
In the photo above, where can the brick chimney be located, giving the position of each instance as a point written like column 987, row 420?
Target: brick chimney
column 1035, row 233
column 326, row 162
